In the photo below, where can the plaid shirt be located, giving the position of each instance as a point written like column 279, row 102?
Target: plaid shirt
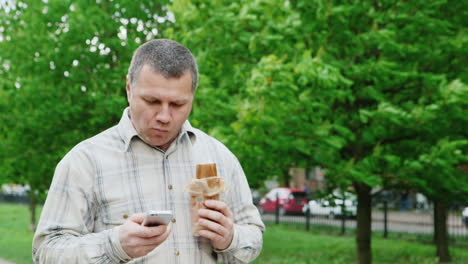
column 105, row 179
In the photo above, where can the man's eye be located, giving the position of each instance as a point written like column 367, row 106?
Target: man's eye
column 177, row 105
column 150, row 101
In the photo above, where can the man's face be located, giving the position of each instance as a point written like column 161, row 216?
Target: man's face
column 159, row 106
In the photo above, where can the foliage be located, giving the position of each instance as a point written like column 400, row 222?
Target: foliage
column 63, row 77
column 260, row 85
column 362, row 90
column 348, row 87
column 373, row 91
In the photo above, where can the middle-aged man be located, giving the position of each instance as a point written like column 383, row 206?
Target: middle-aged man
column 102, row 187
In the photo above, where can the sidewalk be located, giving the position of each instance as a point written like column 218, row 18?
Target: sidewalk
column 416, row 217
column 5, row 262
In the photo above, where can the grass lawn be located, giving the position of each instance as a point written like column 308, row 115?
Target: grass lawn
column 284, row 245
column 15, row 237
column 281, row 245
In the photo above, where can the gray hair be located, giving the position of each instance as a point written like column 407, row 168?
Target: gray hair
column 164, row 56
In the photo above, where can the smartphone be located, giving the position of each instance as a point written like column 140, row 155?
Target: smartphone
column 155, row 218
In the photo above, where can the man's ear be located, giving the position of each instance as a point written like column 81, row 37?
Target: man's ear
column 127, row 89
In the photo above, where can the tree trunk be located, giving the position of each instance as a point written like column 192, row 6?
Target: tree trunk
column 440, row 231
column 286, row 178
column 364, row 232
column 32, row 210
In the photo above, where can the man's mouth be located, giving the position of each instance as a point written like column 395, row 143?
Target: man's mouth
column 160, row 131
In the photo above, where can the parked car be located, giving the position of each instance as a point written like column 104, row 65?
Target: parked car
column 331, row 209
column 290, row 201
column 465, row 216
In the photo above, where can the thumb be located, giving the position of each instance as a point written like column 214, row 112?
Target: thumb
column 137, row 218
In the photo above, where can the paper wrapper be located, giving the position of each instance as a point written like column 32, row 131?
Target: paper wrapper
column 207, row 186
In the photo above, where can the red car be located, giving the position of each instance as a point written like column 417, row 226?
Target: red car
column 290, row 201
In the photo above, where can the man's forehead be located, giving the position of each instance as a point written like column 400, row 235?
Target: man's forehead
column 148, row 69
column 148, row 77
column 159, row 92
column 162, row 94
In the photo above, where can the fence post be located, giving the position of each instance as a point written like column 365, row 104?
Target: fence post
column 385, row 207
column 343, row 223
column 308, row 217
column 343, row 215
column 277, row 209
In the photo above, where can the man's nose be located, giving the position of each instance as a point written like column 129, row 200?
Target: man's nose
column 164, row 114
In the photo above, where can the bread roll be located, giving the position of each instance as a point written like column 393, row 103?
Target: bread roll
column 207, row 186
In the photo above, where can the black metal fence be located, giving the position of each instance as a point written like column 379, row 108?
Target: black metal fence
column 408, row 224
column 13, row 198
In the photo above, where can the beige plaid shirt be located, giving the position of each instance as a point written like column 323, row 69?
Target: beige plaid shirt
column 114, row 174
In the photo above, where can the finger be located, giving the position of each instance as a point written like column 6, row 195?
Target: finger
column 164, row 236
column 210, row 235
column 147, row 231
column 153, row 231
column 153, row 241
column 213, row 226
column 219, row 206
column 212, row 215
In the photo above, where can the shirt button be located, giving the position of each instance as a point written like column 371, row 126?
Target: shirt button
column 173, row 220
column 169, row 187
column 125, row 216
column 177, row 253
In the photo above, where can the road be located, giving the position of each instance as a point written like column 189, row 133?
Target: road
column 403, row 222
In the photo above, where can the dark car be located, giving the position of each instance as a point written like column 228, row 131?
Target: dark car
column 290, row 201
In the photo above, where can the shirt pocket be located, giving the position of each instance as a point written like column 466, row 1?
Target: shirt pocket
column 115, row 214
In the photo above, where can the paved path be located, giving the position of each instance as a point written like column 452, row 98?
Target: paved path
column 5, row 262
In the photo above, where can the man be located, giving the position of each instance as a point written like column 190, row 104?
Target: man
column 102, row 187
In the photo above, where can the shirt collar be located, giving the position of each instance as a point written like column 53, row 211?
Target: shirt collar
column 127, row 130
column 187, row 131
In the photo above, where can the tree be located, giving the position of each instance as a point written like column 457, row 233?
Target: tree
column 438, row 169
column 351, row 87
column 63, row 78
column 255, row 89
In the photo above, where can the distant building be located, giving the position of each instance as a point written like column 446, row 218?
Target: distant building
column 312, row 179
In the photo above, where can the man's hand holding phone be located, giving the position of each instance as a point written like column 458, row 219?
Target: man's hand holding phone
column 138, row 240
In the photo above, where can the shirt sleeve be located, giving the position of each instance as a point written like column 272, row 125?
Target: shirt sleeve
column 65, row 230
column 248, row 227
